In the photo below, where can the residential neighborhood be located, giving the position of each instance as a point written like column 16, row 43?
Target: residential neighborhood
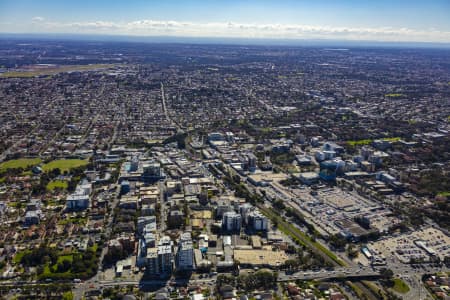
column 176, row 171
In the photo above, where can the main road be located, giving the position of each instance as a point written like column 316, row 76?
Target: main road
column 166, row 111
column 80, row 288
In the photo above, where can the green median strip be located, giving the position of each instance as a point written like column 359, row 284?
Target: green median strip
column 373, row 287
column 299, row 235
column 355, row 289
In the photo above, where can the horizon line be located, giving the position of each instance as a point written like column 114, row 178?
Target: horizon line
column 257, row 41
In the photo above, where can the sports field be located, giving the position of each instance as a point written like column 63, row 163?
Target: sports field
column 19, row 163
column 64, row 164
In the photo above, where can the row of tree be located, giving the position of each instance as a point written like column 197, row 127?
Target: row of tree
column 263, row 279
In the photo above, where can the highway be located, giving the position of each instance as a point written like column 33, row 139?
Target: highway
column 328, row 275
column 341, row 273
column 350, row 272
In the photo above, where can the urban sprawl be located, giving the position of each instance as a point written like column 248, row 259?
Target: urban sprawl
column 176, row 171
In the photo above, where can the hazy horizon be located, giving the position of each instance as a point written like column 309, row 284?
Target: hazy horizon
column 220, row 41
column 350, row 20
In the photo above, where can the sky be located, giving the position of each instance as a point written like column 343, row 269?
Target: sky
column 368, row 20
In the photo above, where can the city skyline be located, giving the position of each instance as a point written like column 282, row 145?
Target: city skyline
column 385, row 21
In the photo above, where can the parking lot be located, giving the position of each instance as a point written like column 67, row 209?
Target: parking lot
column 419, row 245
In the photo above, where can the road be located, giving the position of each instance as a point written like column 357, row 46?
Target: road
column 87, row 131
column 80, row 288
column 8, row 151
column 417, row 289
column 162, row 217
column 166, row 111
column 163, row 99
column 317, row 247
column 334, row 274
column 114, row 135
column 319, row 275
column 352, row 271
column 50, row 143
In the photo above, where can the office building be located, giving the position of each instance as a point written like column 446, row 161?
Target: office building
column 231, row 221
column 185, row 254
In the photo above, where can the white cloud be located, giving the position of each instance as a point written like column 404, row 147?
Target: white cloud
column 241, row 30
column 37, row 19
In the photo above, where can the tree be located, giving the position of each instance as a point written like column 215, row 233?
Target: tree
column 275, row 223
column 447, row 261
column 261, row 279
column 386, row 275
column 352, row 252
column 278, row 204
column 39, row 256
column 338, row 241
column 225, row 279
column 63, row 266
column 55, row 172
column 67, row 296
column 291, row 264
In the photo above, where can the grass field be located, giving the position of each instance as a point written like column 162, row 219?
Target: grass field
column 55, row 70
column 68, row 257
column 18, row 257
column 64, row 164
column 400, row 286
column 62, row 184
column 19, row 163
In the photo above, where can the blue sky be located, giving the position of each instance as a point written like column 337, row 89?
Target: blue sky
column 384, row 20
